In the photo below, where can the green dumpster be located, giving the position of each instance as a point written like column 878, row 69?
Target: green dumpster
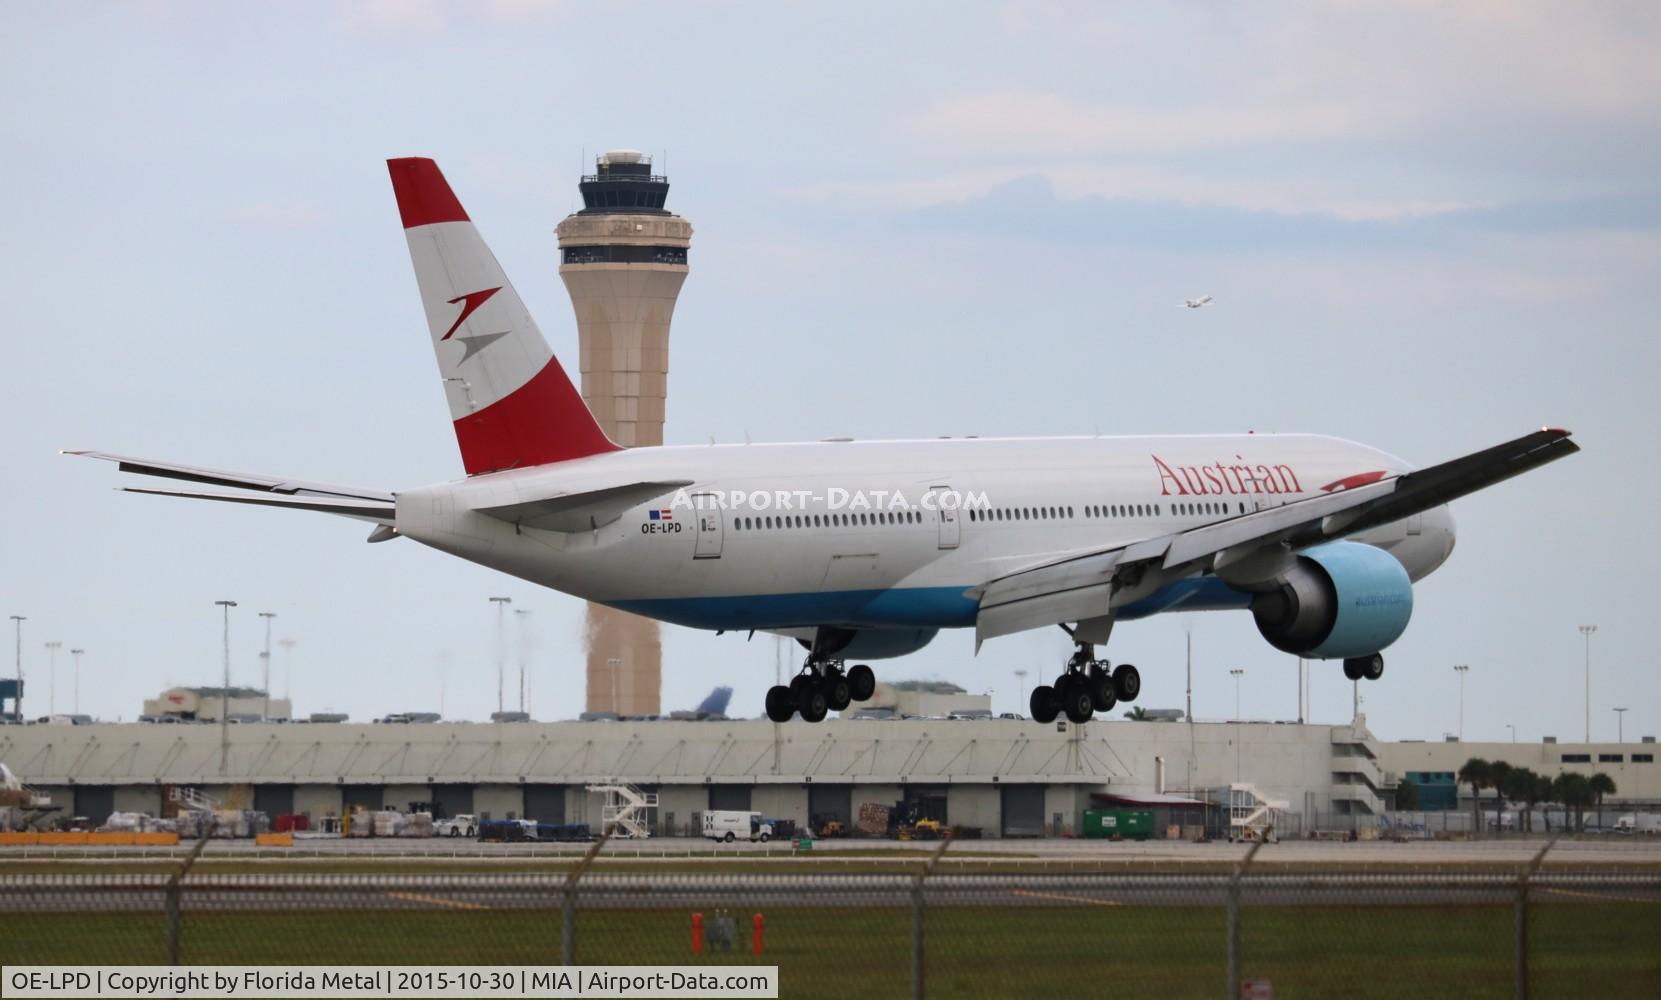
column 1125, row 824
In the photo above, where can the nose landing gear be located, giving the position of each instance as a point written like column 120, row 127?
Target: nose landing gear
column 1085, row 688
column 820, row 688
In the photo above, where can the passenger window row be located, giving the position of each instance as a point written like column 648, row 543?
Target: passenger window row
column 794, row 521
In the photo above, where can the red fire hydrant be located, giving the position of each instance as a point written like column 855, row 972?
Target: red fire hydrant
column 697, row 933
column 755, row 938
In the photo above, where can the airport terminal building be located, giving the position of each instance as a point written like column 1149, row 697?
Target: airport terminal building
column 1011, row 778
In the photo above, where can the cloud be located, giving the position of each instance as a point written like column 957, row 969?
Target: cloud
column 275, row 216
column 1027, row 124
column 1077, row 179
column 1030, row 208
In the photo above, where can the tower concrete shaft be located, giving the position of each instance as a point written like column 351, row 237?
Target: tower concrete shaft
column 623, row 260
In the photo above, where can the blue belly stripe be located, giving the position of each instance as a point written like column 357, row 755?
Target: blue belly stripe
column 912, row 607
column 925, row 607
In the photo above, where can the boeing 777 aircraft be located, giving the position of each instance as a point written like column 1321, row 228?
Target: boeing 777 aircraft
column 865, row 550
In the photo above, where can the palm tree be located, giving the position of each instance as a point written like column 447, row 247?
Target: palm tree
column 1477, row 773
column 1137, row 714
column 1574, row 790
column 1497, row 771
column 1599, row 785
column 1518, row 786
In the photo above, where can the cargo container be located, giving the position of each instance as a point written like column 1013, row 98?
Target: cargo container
column 1124, row 824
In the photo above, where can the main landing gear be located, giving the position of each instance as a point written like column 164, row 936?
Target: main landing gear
column 1085, row 688
column 821, row 687
column 1364, row 667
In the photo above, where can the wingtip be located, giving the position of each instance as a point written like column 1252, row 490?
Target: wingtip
column 1558, row 430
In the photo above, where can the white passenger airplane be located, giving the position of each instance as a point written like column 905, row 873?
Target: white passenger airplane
column 1203, row 300
column 864, row 550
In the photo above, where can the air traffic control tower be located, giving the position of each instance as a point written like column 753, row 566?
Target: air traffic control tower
column 623, row 258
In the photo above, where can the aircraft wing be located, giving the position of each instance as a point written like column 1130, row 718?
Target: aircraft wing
column 239, row 480
column 1089, row 585
column 583, row 511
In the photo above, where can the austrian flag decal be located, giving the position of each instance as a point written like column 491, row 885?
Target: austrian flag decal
column 659, row 515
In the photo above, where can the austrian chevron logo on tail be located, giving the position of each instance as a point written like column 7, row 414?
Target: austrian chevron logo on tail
column 470, row 302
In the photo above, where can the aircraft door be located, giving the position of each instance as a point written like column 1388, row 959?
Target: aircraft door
column 708, row 514
column 950, row 528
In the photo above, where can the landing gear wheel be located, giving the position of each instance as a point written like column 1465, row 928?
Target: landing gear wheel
column 812, row 705
column 1127, row 682
column 1075, row 701
column 801, row 684
column 1044, row 705
column 1103, row 696
column 1354, row 669
column 1373, row 666
column 781, row 704
column 862, row 683
column 838, row 692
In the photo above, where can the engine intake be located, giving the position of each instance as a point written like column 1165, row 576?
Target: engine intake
column 1340, row 600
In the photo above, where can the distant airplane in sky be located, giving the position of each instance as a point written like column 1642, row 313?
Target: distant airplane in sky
column 866, row 549
column 1203, row 300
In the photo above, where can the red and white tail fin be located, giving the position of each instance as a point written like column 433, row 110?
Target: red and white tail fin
column 512, row 403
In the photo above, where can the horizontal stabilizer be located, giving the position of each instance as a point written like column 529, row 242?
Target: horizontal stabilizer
column 239, row 480
column 583, row 511
column 366, row 510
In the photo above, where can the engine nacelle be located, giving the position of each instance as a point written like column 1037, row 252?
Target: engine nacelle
column 878, row 643
column 1339, row 600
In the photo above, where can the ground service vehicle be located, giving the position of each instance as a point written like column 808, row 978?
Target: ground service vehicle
column 464, row 825
column 728, row 825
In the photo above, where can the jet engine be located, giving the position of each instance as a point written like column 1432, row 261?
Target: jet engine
column 1338, row 600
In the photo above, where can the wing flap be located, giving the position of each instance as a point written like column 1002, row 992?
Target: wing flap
column 582, row 511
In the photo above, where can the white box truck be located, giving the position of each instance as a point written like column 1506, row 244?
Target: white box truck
column 728, row 825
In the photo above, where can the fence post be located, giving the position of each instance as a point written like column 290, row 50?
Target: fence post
column 172, row 900
column 1523, row 877
column 917, row 912
column 568, row 901
column 1233, row 986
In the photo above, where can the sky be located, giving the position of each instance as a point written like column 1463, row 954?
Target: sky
column 1429, row 227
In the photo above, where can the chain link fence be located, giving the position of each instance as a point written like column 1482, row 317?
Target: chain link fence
column 1257, row 930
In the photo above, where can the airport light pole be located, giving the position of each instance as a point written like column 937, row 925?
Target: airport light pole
column 1513, row 729
column 1020, row 685
column 77, row 654
column 265, row 665
column 1587, row 630
column 17, row 699
column 52, row 676
column 1620, row 725
column 501, row 646
column 288, row 669
column 521, row 614
column 1236, row 674
column 1461, row 669
column 225, row 694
